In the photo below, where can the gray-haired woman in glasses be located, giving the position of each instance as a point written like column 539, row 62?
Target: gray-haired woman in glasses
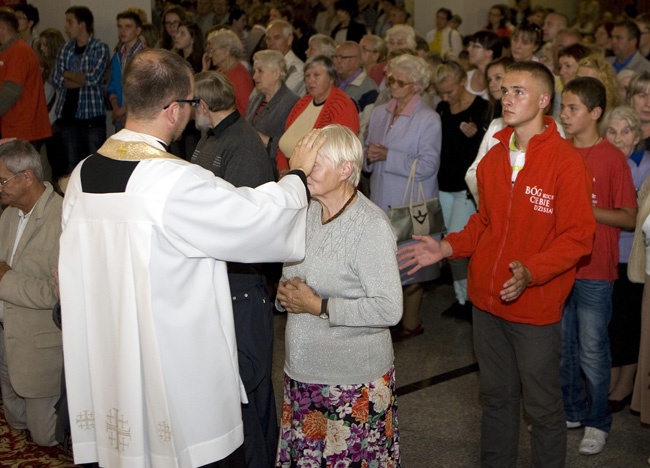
column 400, row 131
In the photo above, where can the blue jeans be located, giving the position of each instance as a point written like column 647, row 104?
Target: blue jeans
column 586, row 361
column 457, row 207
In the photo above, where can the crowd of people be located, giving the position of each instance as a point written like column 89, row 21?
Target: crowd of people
column 253, row 154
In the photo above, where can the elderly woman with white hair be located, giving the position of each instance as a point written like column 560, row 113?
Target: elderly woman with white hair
column 339, row 404
column 401, row 131
column 226, row 52
column 622, row 127
column 400, row 36
column 272, row 101
column 320, row 44
column 373, row 51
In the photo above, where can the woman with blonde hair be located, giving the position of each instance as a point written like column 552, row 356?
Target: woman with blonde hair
column 463, row 117
column 638, row 96
column 49, row 43
column 494, row 73
column 597, row 66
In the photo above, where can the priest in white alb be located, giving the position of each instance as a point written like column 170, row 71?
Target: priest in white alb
column 149, row 342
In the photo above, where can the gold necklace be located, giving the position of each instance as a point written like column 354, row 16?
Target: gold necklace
column 340, row 212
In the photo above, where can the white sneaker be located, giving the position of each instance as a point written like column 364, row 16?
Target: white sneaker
column 593, row 441
column 573, row 424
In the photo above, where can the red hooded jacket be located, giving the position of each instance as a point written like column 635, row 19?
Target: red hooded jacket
column 544, row 220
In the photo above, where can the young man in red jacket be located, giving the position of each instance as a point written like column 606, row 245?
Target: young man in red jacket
column 534, row 223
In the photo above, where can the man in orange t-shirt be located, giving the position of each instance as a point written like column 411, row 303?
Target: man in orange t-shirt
column 23, row 109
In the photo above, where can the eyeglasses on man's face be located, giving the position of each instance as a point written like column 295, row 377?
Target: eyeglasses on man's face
column 192, row 102
column 5, row 181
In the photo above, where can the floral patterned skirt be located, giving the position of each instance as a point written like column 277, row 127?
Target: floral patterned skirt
column 339, row 425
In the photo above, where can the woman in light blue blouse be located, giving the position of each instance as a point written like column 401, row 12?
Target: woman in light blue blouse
column 401, row 131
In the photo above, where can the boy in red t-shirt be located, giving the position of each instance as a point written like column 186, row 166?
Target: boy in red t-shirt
column 588, row 309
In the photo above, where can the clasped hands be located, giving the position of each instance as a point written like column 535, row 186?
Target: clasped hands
column 376, row 152
column 469, row 129
column 297, row 297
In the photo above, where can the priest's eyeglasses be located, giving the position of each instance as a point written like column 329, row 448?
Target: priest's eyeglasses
column 4, row 182
column 192, row 102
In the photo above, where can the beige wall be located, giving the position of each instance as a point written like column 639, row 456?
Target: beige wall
column 52, row 14
column 473, row 12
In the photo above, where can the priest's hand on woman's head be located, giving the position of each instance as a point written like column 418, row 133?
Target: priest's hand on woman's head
column 304, row 155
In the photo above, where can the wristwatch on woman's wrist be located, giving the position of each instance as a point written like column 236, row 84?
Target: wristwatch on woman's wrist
column 323, row 310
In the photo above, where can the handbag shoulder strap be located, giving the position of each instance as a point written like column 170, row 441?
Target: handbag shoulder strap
column 410, row 183
column 421, row 193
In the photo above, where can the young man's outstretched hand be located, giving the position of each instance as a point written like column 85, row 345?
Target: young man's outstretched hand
column 428, row 251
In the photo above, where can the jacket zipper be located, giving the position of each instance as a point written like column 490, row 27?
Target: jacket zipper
column 501, row 247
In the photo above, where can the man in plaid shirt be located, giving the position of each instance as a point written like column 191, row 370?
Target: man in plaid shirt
column 79, row 75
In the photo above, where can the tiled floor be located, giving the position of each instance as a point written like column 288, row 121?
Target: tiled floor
column 439, row 424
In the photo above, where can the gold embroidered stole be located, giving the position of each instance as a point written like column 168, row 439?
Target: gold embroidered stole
column 132, row 151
